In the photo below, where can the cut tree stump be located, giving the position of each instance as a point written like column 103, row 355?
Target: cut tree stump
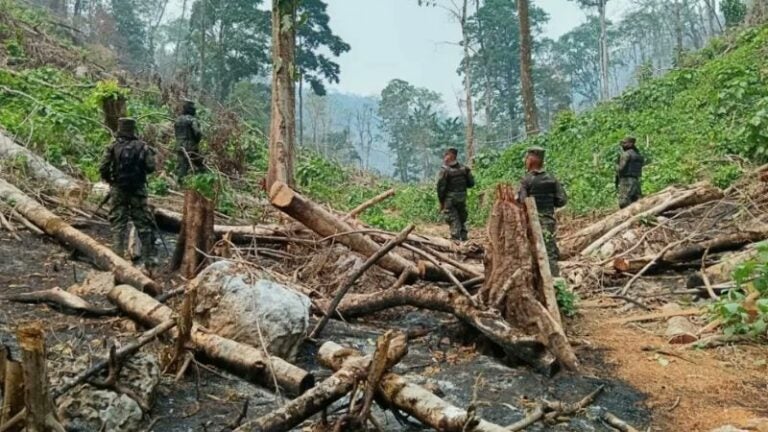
column 13, row 389
column 408, row 397
column 54, row 226
column 326, row 224
column 195, row 236
column 41, row 414
column 245, row 360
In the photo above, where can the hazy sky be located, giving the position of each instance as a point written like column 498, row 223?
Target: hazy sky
column 398, row 39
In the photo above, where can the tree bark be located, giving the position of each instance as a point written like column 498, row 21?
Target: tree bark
column 196, row 234
column 282, row 128
column 526, row 69
column 41, row 415
column 370, row 203
column 13, row 389
column 54, row 226
column 114, row 108
column 405, row 396
column 39, row 168
column 172, row 221
column 605, row 92
column 546, row 282
column 470, row 143
column 722, row 272
column 242, row 359
column 325, row 224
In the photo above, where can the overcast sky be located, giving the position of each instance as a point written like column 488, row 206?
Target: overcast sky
column 399, row 39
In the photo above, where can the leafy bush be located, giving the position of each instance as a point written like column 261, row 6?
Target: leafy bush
column 567, row 300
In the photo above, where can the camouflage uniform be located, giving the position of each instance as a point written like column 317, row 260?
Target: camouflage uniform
column 188, row 136
column 125, row 166
column 452, row 187
column 629, row 171
column 549, row 195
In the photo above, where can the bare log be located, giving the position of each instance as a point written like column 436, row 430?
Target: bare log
column 7, row 225
column 13, row 391
column 405, row 396
column 546, row 284
column 171, row 220
column 243, row 359
column 517, row 346
column 60, row 297
column 325, row 224
column 54, row 226
column 40, row 169
column 356, row 275
column 679, row 329
column 618, row 423
column 657, row 316
column 370, row 203
column 41, row 415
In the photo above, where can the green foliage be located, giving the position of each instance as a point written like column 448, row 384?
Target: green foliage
column 206, row 184
column 107, row 90
column 158, row 186
column 739, row 318
column 567, row 300
column 725, row 175
column 734, row 12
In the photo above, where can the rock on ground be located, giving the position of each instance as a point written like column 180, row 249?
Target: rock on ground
column 239, row 303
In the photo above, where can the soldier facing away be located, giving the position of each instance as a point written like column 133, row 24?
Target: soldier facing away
column 549, row 195
column 629, row 171
column 125, row 166
column 188, row 136
column 452, row 185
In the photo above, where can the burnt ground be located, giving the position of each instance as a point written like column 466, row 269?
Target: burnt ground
column 448, row 360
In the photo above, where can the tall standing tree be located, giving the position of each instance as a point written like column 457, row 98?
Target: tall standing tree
column 282, row 128
column 601, row 5
column 526, row 69
column 470, row 136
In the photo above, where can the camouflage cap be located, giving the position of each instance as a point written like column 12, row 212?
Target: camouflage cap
column 536, row 151
column 188, row 107
column 126, row 127
column 629, row 140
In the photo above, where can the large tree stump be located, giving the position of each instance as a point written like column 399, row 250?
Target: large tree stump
column 196, row 234
column 114, row 108
column 13, row 389
column 512, row 283
column 41, row 415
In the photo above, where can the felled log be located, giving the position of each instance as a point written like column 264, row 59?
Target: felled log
column 536, row 237
column 196, row 234
column 722, row 272
column 171, row 221
column 517, row 346
column 408, row 397
column 583, row 242
column 696, row 195
column 325, row 224
column 13, row 390
column 679, row 329
column 54, row 226
column 41, row 415
column 60, row 297
column 693, row 250
column 40, row 169
column 371, row 202
column 243, row 359
column 324, row 394
column 513, row 285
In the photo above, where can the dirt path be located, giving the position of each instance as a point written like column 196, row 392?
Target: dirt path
column 687, row 389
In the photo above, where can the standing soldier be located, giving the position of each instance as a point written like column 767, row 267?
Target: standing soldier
column 125, row 166
column 549, row 195
column 452, row 186
column 188, row 136
column 629, row 171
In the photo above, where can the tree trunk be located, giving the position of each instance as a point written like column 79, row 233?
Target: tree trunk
column 526, row 70
column 114, row 108
column 40, row 169
column 54, row 226
column 468, row 88
column 282, row 128
column 13, row 389
column 325, row 224
column 678, row 14
column 172, row 221
column 604, row 61
column 196, row 235
column 657, row 203
column 722, row 272
column 242, row 359
column 41, row 415
column 405, row 396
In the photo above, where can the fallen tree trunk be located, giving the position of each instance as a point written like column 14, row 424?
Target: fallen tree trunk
column 243, row 359
column 40, row 169
column 172, row 221
column 54, row 226
column 408, row 397
column 371, row 202
column 690, row 250
column 325, row 224
column 722, row 272
column 60, row 297
column 697, row 195
column 575, row 243
column 527, row 349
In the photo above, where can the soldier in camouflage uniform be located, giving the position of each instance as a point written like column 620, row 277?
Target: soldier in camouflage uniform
column 188, row 136
column 549, row 195
column 452, row 186
column 629, row 170
column 125, row 166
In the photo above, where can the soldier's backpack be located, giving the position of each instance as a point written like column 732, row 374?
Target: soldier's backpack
column 129, row 170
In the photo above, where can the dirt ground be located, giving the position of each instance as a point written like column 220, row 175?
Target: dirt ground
column 661, row 390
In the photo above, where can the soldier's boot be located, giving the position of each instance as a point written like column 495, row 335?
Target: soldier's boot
column 148, row 249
